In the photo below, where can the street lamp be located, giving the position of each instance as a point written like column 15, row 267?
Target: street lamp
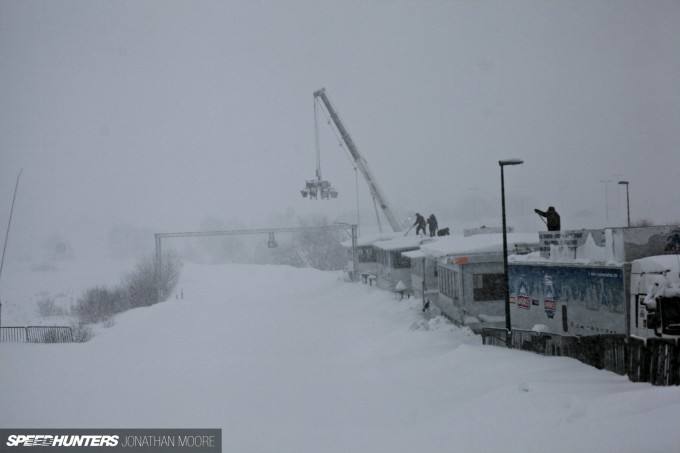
column 506, row 280
column 627, row 200
column 606, row 196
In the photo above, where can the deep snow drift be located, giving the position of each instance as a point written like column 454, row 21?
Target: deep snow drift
column 285, row 359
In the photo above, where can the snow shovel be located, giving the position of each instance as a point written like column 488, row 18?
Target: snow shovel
column 409, row 230
column 542, row 219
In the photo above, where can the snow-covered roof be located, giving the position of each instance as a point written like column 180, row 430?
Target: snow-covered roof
column 414, row 254
column 481, row 243
column 661, row 276
column 608, row 246
column 654, row 264
column 404, row 242
column 371, row 239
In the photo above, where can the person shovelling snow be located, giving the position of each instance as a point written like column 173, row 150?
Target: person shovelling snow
column 432, row 223
column 420, row 221
column 552, row 216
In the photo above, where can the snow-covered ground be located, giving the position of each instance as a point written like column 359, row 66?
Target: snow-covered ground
column 297, row 360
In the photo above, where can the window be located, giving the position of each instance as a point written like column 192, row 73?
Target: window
column 440, row 282
column 367, row 255
column 400, row 261
column 448, row 283
column 417, row 267
column 488, row 287
column 382, row 257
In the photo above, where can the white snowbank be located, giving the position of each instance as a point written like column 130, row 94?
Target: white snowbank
column 292, row 360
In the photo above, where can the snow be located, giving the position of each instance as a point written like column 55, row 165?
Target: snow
column 297, row 360
column 480, row 243
column 403, row 242
column 662, row 276
column 370, row 239
column 657, row 264
column 414, row 254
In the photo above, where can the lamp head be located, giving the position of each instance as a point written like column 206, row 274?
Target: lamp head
column 510, row 162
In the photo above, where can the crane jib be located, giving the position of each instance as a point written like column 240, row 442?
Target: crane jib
column 376, row 192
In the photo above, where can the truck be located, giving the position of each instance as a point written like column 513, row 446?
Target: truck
column 599, row 282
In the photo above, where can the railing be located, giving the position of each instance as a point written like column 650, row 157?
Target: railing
column 36, row 334
column 653, row 360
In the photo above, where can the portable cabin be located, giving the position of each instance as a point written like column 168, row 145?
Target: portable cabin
column 470, row 276
column 393, row 264
column 424, row 281
column 367, row 261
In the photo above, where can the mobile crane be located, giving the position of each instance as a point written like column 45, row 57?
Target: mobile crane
column 376, row 192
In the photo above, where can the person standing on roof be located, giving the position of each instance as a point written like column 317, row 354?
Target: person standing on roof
column 432, row 223
column 420, row 221
column 552, row 216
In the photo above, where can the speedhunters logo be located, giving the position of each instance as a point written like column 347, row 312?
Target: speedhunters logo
column 129, row 440
column 47, row 440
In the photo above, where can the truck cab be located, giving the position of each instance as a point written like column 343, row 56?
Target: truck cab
column 655, row 296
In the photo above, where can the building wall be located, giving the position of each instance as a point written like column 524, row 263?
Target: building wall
column 462, row 299
column 620, row 244
column 424, row 269
column 393, row 268
column 367, row 260
column 569, row 300
column 479, row 298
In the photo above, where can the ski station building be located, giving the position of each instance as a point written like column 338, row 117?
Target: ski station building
column 367, row 260
column 394, row 266
column 423, row 274
column 384, row 259
column 470, row 275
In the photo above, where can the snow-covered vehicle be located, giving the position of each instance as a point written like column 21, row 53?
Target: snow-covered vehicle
column 596, row 282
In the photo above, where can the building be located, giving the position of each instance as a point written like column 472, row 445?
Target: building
column 367, row 261
column 595, row 282
column 424, row 281
column 470, row 275
column 394, row 265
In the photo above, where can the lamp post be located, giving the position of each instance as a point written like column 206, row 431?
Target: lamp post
column 606, row 196
column 506, row 280
column 625, row 183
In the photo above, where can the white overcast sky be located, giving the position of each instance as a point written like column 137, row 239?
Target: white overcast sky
column 159, row 114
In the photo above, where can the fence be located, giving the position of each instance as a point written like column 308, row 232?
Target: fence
column 652, row 360
column 36, row 334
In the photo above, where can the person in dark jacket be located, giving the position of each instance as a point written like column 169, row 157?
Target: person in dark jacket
column 552, row 217
column 420, row 221
column 432, row 223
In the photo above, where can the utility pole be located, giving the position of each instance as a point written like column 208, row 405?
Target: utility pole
column 625, row 183
column 606, row 195
column 9, row 224
column 506, row 283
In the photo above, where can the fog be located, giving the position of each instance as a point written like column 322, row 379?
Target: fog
column 157, row 116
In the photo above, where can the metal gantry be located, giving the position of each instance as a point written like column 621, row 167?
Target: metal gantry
column 351, row 229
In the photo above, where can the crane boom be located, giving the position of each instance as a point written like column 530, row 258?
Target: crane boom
column 375, row 189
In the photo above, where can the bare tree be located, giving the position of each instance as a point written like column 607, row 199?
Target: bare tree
column 321, row 249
